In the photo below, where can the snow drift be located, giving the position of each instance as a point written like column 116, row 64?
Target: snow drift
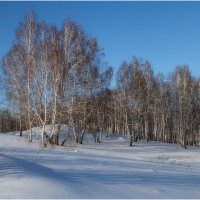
column 110, row 169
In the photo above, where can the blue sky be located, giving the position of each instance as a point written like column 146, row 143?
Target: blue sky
column 165, row 33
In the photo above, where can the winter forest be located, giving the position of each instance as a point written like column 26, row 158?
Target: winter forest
column 59, row 76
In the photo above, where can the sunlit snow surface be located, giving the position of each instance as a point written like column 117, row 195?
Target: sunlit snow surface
column 110, row 169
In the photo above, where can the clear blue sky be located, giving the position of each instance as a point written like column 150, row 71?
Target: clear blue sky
column 165, row 33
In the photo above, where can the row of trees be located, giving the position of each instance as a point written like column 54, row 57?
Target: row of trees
column 154, row 107
column 57, row 76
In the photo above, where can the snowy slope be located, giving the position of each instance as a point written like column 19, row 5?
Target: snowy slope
column 110, row 169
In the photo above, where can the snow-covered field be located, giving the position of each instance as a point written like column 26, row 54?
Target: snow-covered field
column 110, row 169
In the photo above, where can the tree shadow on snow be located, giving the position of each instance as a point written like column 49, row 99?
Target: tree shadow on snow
column 12, row 165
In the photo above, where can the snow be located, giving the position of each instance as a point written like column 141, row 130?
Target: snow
column 110, row 169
